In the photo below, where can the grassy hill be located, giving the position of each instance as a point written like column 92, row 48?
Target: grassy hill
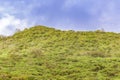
column 42, row 53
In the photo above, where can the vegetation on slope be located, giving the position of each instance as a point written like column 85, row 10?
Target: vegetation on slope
column 42, row 53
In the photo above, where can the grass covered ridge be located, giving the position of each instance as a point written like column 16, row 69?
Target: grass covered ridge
column 42, row 53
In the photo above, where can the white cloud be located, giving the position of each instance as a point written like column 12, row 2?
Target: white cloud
column 8, row 24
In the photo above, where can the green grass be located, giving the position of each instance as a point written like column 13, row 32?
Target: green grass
column 42, row 53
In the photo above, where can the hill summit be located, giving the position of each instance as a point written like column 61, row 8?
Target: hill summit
column 57, row 41
column 43, row 53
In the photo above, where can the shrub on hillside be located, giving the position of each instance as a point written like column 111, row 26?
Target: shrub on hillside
column 36, row 52
column 15, row 56
column 95, row 54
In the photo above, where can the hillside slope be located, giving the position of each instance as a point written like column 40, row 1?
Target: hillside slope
column 42, row 53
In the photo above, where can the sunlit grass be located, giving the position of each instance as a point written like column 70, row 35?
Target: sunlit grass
column 42, row 53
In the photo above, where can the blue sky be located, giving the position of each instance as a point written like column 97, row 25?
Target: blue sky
column 60, row 14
